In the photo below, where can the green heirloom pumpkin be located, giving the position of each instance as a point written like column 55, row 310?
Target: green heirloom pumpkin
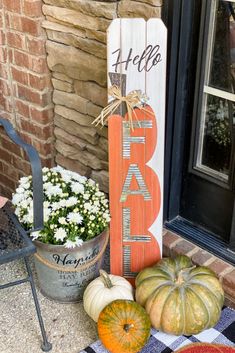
column 180, row 298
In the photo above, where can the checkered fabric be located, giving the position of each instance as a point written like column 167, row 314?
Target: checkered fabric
column 159, row 342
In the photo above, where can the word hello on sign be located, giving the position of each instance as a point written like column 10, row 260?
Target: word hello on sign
column 149, row 58
column 136, row 153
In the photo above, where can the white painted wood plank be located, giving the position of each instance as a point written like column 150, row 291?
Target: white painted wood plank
column 133, row 44
column 126, row 43
column 113, row 45
column 156, row 90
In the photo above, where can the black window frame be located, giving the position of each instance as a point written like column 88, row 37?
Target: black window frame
column 182, row 18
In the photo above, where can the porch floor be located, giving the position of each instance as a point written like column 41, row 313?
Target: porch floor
column 68, row 327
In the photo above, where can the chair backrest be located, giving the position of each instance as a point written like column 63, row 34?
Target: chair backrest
column 36, row 168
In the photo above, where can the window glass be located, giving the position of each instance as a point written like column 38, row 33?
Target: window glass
column 222, row 73
column 216, row 121
column 217, row 134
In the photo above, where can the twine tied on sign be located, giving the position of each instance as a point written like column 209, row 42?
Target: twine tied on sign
column 134, row 99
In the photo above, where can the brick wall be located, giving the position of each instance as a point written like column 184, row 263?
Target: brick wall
column 25, row 88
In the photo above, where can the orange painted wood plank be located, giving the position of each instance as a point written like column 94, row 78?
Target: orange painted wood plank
column 142, row 209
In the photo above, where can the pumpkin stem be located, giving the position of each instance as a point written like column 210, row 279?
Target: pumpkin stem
column 181, row 275
column 106, row 279
column 127, row 327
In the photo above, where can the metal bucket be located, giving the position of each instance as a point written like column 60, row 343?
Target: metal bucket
column 63, row 274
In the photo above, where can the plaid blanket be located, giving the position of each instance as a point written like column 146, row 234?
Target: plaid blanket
column 159, row 342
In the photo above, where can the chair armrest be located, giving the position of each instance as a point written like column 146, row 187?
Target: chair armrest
column 36, row 169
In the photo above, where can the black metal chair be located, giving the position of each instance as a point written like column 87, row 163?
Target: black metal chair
column 15, row 243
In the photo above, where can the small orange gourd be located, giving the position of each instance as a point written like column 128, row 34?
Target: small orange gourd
column 123, row 326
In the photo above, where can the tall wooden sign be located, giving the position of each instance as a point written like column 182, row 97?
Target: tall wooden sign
column 136, row 61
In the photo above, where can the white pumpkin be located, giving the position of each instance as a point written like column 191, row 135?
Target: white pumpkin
column 103, row 290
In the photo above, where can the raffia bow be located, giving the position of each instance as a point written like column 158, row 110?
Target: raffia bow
column 134, row 99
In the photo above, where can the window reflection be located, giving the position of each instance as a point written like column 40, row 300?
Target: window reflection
column 218, row 109
column 222, row 73
column 217, row 134
column 232, row 42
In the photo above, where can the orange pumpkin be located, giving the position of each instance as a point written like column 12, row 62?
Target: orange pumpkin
column 123, row 326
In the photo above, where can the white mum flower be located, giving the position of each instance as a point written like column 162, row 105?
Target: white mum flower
column 24, row 218
column 91, row 182
column 106, row 217
column 47, row 186
column 82, row 179
column 24, row 203
column 54, row 190
column 99, row 193
column 78, row 177
column 70, row 244
column 104, row 202
column 26, row 186
column 75, row 217
column 46, row 213
column 29, row 217
column 72, row 201
column 60, row 234
column 62, row 203
column 28, row 193
column 17, row 212
column 17, row 198
column 66, row 176
column 20, row 190
column 35, row 235
column 87, row 206
column 75, row 176
column 58, row 168
column 94, row 209
column 77, row 188
column 46, row 204
column 78, row 241
column 86, row 196
column 56, row 205
column 24, row 180
column 62, row 220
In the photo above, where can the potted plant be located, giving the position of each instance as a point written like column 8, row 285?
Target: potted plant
column 71, row 245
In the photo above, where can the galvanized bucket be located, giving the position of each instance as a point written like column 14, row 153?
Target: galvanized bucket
column 63, row 274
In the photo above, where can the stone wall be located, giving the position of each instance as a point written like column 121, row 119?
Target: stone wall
column 25, row 88
column 76, row 48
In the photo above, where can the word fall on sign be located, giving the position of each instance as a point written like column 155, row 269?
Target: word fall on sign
column 135, row 193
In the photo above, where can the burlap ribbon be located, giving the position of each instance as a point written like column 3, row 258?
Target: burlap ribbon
column 134, row 99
